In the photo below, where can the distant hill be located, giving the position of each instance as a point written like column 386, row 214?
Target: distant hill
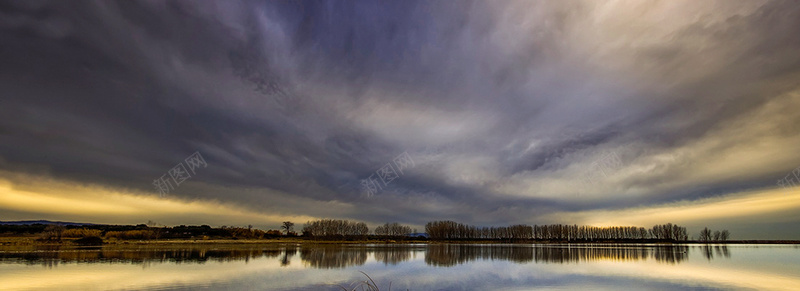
column 29, row 222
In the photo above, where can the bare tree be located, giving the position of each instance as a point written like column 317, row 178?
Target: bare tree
column 380, row 230
column 716, row 235
column 724, row 235
column 287, row 225
column 705, row 234
column 393, row 229
column 53, row 232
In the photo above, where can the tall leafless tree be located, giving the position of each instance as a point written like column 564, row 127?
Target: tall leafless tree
column 287, row 225
column 724, row 235
column 393, row 229
column 705, row 234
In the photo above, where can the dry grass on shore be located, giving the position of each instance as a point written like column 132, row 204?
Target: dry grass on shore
column 32, row 240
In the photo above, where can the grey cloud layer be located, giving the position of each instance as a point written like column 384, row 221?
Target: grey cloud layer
column 503, row 105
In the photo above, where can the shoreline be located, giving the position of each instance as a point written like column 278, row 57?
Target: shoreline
column 31, row 241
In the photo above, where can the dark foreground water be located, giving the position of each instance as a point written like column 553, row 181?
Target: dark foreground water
column 412, row 267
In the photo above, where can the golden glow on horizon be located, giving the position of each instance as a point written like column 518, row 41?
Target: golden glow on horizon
column 46, row 198
column 27, row 201
column 760, row 203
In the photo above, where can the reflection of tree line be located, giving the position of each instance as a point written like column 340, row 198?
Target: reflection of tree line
column 145, row 255
column 336, row 256
column 449, row 255
column 721, row 251
column 392, row 255
column 332, row 257
column 339, row 256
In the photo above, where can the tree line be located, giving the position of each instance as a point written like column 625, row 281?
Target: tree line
column 393, row 229
column 450, row 230
column 707, row 235
column 330, row 228
column 339, row 228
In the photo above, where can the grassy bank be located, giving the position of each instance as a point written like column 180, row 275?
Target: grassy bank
column 32, row 240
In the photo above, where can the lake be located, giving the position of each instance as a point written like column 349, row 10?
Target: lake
column 402, row 267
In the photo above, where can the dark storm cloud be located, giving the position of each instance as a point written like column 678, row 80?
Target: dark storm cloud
column 504, row 106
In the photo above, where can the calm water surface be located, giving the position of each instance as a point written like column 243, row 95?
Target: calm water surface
column 412, row 267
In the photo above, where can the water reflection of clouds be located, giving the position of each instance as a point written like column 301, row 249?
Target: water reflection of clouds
column 413, row 267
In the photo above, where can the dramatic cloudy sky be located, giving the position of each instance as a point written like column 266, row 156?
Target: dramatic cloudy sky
column 597, row 112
